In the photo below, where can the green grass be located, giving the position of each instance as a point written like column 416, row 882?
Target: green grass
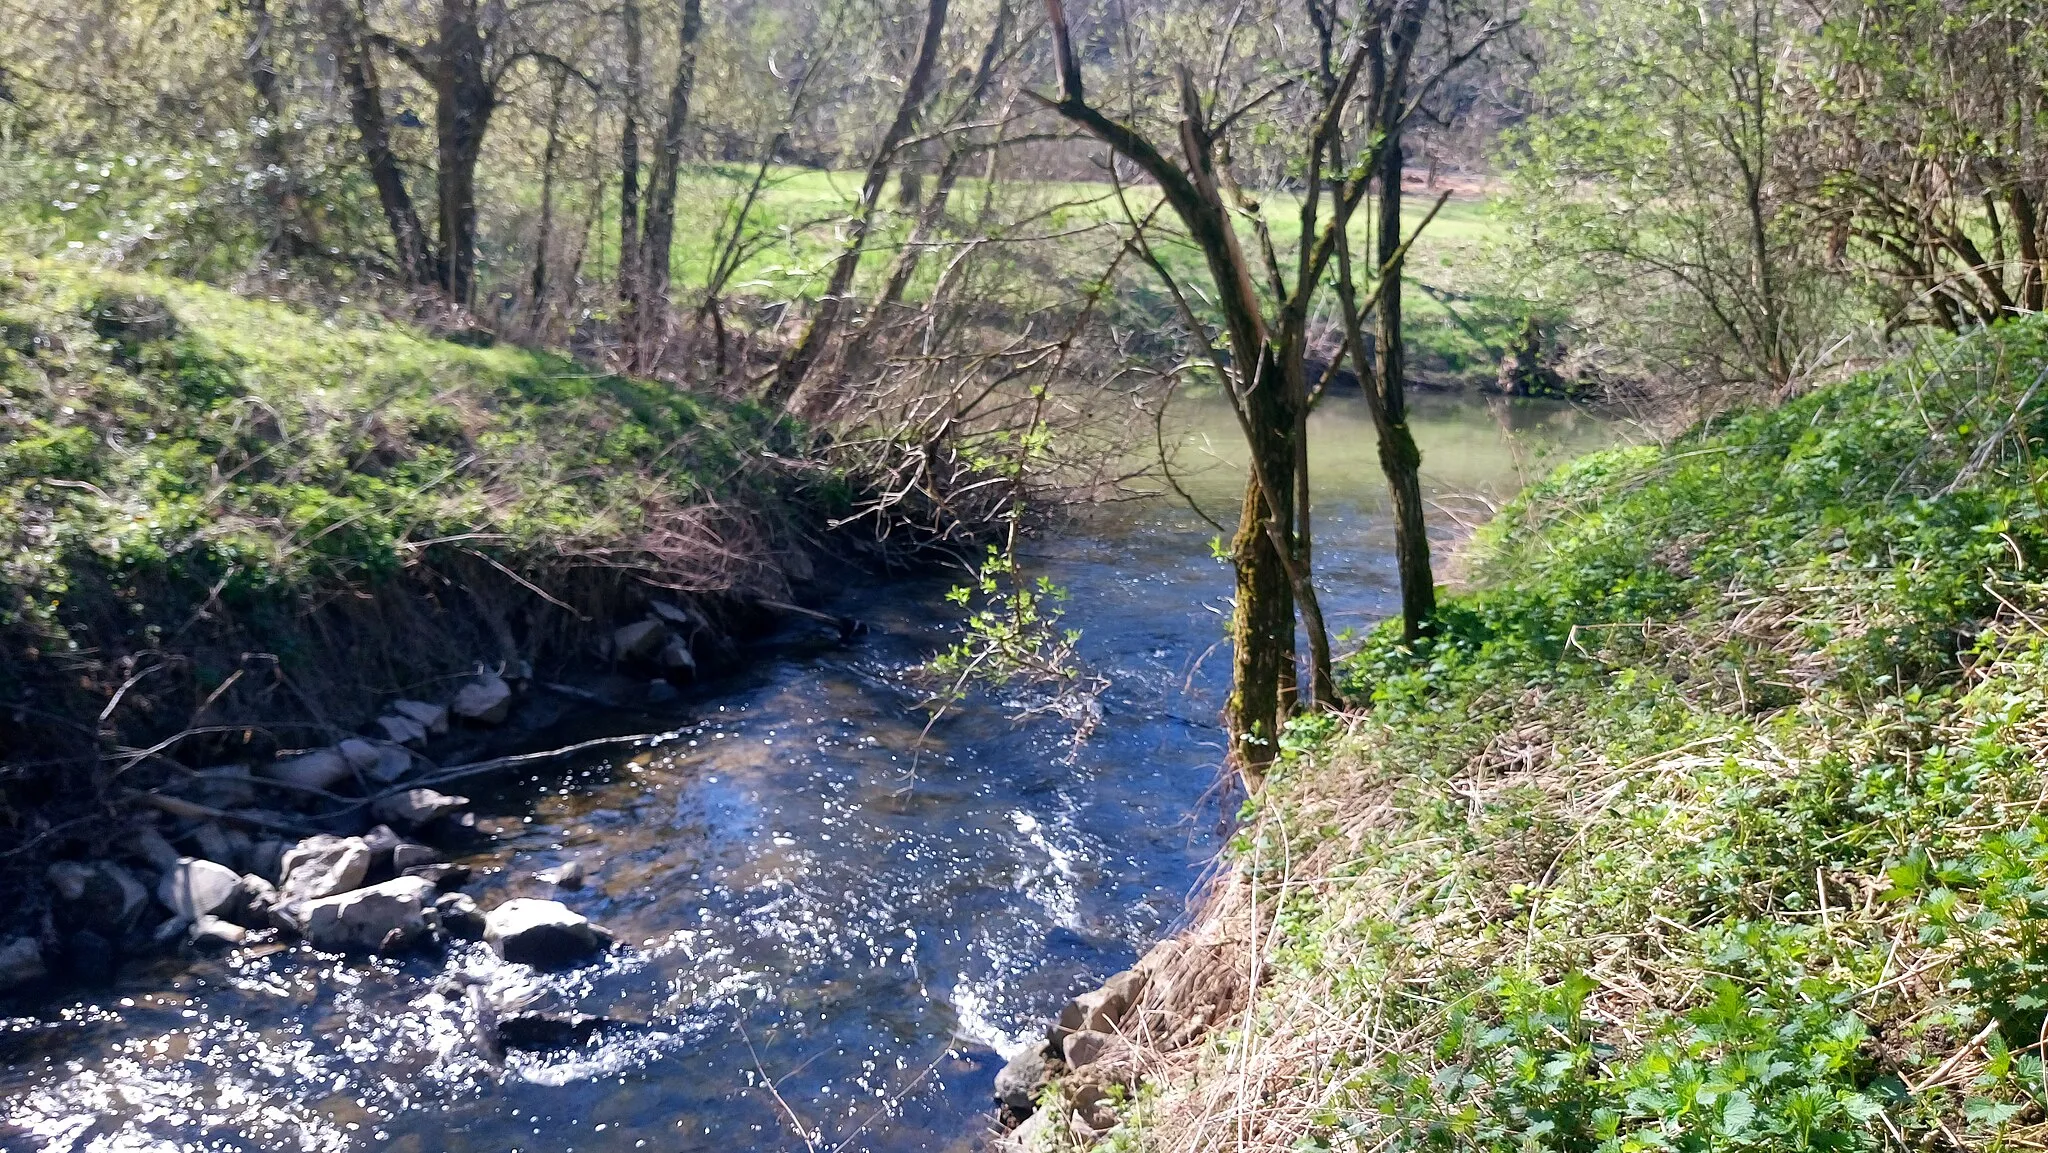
column 172, row 456
column 1712, row 820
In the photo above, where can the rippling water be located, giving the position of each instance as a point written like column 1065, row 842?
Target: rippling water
column 836, row 928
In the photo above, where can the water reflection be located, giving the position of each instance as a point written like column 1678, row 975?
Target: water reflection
column 831, row 927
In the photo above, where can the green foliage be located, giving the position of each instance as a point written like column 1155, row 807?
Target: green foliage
column 161, row 440
column 1710, row 819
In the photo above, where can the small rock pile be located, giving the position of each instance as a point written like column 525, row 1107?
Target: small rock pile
column 204, row 881
column 1103, row 1041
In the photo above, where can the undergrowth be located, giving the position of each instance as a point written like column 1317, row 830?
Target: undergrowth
column 1714, row 818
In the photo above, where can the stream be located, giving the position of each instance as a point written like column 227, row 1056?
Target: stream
column 834, row 926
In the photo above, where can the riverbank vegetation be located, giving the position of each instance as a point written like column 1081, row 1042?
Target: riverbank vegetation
column 221, row 513
column 1709, row 819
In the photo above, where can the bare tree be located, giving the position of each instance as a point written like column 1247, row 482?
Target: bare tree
column 1268, row 331
column 795, row 364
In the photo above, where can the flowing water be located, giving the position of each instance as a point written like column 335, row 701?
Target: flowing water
column 837, row 922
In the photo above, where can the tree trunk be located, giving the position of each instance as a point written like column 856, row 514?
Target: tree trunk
column 547, row 204
column 629, row 168
column 904, row 267
column 358, row 74
column 795, row 364
column 1262, row 627
column 1400, row 459
column 463, row 103
column 654, row 261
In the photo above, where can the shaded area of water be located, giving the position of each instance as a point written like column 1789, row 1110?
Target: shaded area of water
column 833, row 924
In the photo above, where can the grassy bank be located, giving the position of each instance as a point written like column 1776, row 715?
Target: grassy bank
column 217, row 513
column 1714, row 820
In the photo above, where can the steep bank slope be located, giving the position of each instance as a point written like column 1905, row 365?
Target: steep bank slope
column 1714, row 820
column 251, row 526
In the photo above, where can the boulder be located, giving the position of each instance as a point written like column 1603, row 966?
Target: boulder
column 151, row 846
column 381, row 918
column 1034, row 1135
column 406, row 856
column 544, row 934
column 266, row 860
column 259, row 897
column 360, row 754
column 1089, row 1047
column 101, row 896
column 223, row 787
column 639, row 641
column 415, row 807
column 401, row 731
column 433, row 718
column 213, row 845
column 676, row 658
column 21, row 961
column 1100, row 1009
column 215, row 933
column 460, row 916
column 193, row 888
column 393, row 762
column 682, row 618
column 321, row 866
column 319, row 769
column 486, row 700
column 1019, row 1081
column 442, row 874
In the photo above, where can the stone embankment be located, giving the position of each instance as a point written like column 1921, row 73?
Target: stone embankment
column 345, row 847
column 1068, row 1090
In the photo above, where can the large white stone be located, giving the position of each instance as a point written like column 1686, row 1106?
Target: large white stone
column 544, row 934
column 389, row 916
column 193, row 888
column 484, row 701
column 321, row 866
column 319, row 769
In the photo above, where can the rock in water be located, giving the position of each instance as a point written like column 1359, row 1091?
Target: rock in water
column 484, row 701
column 433, row 718
column 415, row 807
column 544, row 934
column 321, row 866
column 569, row 875
column 386, row 917
column 214, row 933
column 547, row 1030
column 21, row 961
column 319, row 769
column 194, row 888
column 1019, row 1082
column 460, row 916
column 360, row 754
